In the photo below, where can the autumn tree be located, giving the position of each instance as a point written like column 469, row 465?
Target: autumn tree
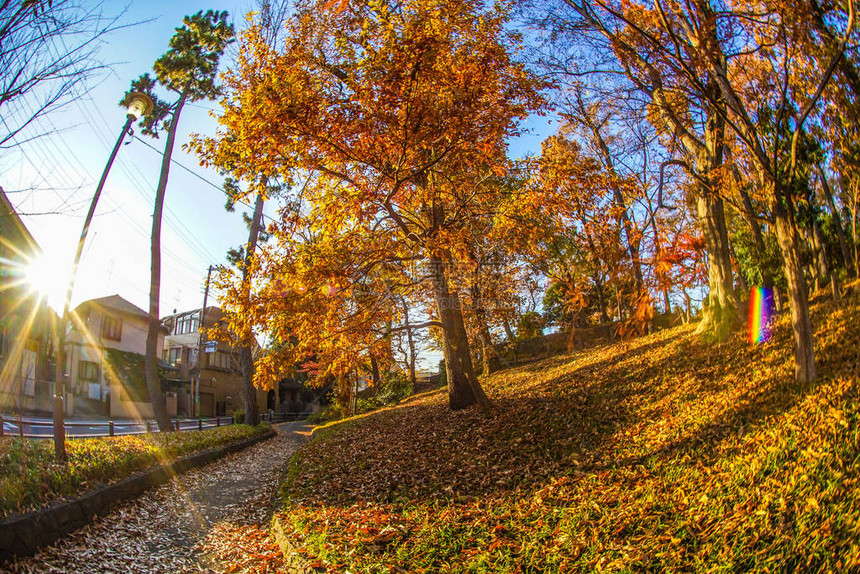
column 396, row 111
column 748, row 73
column 693, row 126
column 188, row 69
column 579, row 245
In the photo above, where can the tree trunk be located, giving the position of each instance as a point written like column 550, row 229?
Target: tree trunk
column 719, row 310
column 837, row 221
column 374, row 372
column 688, row 306
column 410, row 341
column 463, row 387
column 623, row 217
column 804, row 354
column 508, row 331
column 249, row 392
column 488, row 352
column 153, row 382
column 823, row 272
column 854, row 202
column 601, row 298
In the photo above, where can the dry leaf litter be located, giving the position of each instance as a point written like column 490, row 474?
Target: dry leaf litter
column 212, row 519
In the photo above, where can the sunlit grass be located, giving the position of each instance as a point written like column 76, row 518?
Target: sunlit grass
column 669, row 455
column 30, row 476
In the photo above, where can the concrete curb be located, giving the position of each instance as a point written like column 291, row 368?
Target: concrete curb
column 24, row 534
column 295, row 560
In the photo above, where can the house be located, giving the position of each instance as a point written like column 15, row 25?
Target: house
column 26, row 322
column 105, row 350
column 213, row 363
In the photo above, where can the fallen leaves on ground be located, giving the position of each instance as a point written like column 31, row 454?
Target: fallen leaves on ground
column 666, row 454
column 212, row 519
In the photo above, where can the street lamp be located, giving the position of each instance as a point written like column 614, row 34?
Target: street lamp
column 138, row 104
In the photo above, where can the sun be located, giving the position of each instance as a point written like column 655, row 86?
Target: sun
column 48, row 274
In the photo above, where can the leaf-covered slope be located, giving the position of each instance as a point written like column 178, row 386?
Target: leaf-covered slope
column 667, row 454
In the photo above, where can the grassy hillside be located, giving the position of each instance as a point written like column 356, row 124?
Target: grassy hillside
column 667, row 455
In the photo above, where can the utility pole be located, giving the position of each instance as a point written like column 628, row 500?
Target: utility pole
column 200, row 325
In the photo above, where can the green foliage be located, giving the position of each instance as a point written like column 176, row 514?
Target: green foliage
column 554, row 312
column 128, row 367
column 188, row 68
column 323, row 415
column 238, row 416
column 529, row 325
column 31, row 477
column 659, row 455
column 751, row 262
column 394, row 388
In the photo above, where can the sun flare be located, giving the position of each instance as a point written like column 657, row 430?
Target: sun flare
column 48, row 274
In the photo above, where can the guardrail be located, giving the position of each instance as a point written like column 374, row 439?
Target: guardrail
column 33, row 428
column 271, row 417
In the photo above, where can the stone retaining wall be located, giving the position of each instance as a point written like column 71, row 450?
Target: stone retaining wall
column 295, row 561
column 23, row 535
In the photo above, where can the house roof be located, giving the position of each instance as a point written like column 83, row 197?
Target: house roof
column 113, row 303
column 12, row 229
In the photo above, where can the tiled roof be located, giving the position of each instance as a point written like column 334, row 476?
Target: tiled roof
column 116, row 303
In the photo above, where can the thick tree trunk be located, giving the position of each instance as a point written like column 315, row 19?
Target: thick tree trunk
column 463, row 387
column 804, row 354
column 719, row 311
column 488, row 352
column 153, row 381
column 249, row 392
column 374, row 372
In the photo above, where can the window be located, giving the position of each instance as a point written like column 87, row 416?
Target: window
column 174, row 355
column 112, row 328
column 88, row 371
column 186, row 324
column 219, row 360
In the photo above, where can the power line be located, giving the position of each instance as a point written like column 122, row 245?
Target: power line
column 200, row 177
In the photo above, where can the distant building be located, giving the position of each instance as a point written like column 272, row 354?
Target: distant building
column 218, row 370
column 105, row 350
column 26, row 322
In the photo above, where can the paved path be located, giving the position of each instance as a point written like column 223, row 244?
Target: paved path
column 211, row 519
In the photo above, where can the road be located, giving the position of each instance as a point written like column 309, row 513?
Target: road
column 209, row 520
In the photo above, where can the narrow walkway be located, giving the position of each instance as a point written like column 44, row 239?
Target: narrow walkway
column 211, row 519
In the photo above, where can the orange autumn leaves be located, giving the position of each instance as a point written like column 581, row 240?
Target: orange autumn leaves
column 392, row 120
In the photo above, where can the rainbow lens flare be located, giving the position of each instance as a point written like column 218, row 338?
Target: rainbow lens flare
column 761, row 303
